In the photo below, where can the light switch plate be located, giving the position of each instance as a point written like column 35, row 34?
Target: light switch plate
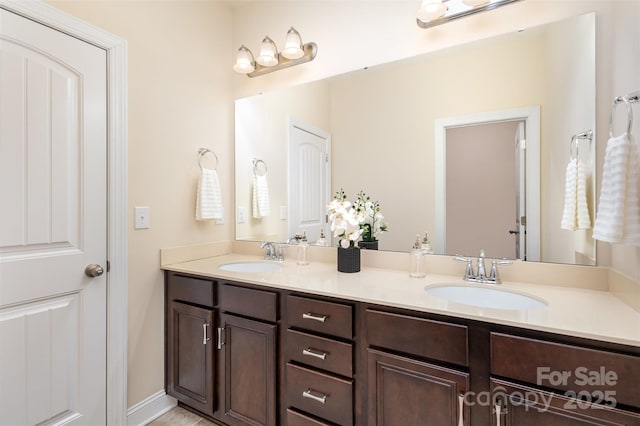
column 142, row 218
column 283, row 212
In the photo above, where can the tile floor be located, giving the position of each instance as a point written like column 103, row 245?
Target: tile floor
column 180, row 417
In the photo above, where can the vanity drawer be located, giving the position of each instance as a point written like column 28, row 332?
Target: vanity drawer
column 250, row 302
column 330, row 318
column 326, row 354
column 418, row 336
column 520, row 358
column 190, row 290
column 322, row 395
column 295, row 418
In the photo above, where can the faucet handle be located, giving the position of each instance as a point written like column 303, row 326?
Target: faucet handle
column 468, row 273
column 494, row 276
column 270, row 252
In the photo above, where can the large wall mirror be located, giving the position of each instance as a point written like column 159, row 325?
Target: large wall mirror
column 448, row 143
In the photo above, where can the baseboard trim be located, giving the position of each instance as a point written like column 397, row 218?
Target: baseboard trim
column 144, row 412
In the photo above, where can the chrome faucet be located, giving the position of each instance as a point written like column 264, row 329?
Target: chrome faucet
column 295, row 239
column 481, row 275
column 271, row 252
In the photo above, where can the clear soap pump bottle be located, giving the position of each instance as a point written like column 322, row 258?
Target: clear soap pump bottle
column 426, row 245
column 417, row 268
column 303, row 248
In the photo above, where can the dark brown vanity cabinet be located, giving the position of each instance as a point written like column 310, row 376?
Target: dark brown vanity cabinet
column 244, row 354
column 190, row 373
column 410, row 380
column 319, row 362
column 247, row 338
column 551, row 383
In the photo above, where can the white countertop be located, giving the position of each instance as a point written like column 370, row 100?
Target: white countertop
column 575, row 312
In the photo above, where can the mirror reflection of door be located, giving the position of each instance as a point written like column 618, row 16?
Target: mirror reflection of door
column 483, row 182
column 309, row 179
column 520, row 230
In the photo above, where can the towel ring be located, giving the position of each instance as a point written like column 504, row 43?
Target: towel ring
column 574, row 144
column 616, row 101
column 202, row 152
column 573, row 153
column 255, row 167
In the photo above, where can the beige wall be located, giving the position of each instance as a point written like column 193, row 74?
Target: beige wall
column 180, row 98
column 262, row 124
column 385, row 145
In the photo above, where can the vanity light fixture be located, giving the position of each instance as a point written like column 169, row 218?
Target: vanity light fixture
column 436, row 12
column 269, row 59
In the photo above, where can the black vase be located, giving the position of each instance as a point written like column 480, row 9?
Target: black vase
column 368, row 245
column 348, row 259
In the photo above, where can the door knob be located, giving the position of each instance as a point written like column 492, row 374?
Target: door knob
column 92, row 270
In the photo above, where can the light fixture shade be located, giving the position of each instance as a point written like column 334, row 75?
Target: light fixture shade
column 431, row 9
column 475, row 3
column 268, row 56
column 244, row 61
column 293, row 45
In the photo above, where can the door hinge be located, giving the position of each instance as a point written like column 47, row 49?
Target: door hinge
column 108, row 266
column 523, row 220
column 220, row 337
column 326, row 158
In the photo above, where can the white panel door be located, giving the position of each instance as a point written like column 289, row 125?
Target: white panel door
column 53, row 157
column 309, row 175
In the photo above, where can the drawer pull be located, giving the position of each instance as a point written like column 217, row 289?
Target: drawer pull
column 314, row 353
column 316, row 396
column 205, row 336
column 461, row 410
column 315, row 317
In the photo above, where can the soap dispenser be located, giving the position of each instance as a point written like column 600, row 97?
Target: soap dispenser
column 303, row 248
column 322, row 241
column 417, row 268
column 426, row 245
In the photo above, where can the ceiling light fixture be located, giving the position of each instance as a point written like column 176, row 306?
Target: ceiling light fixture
column 436, row 12
column 269, row 60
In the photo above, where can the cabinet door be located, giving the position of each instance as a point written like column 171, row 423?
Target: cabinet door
column 248, row 360
column 403, row 391
column 518, row 405
column 190, row 372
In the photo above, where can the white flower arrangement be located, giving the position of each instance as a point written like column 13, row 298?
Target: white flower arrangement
column 350, row 221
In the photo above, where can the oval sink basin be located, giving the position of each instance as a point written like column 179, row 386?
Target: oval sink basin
column 485, row 297
column 250, row 267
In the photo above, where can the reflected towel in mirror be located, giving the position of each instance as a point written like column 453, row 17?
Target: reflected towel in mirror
column 576, row 210
column 208, row 198
column 618, row 218
column 260, row 196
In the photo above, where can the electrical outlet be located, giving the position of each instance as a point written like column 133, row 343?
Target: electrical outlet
column 242, row 215
column 142, row 218
column 220, row 221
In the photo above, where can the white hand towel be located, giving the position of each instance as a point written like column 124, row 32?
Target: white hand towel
column 260, row 196
column 570, row 191
column 209, row 197
column 582, row 208
column 618, row 218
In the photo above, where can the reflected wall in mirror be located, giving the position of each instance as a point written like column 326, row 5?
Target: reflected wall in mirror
column 381, row 138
